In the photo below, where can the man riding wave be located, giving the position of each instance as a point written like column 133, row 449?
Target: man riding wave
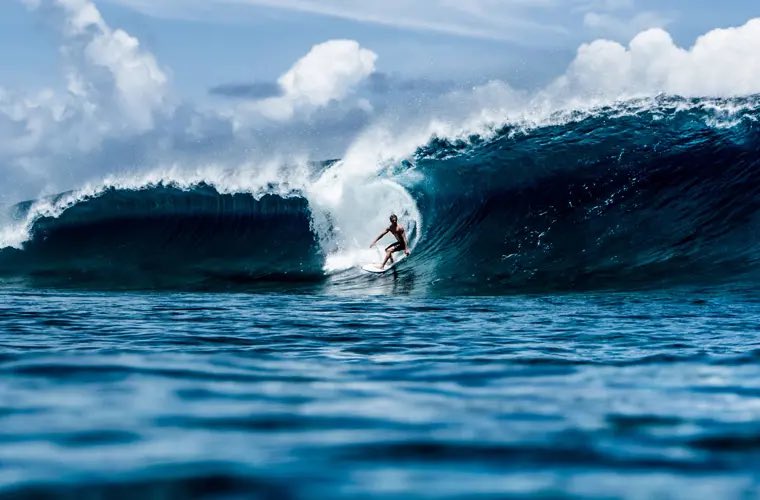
column 401, row 243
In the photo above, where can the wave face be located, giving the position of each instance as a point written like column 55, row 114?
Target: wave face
column 164, row 236
column 640, row 194
column 631, row 195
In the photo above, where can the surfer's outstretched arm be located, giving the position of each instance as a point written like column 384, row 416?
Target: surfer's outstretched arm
column 406, row 243
column 378, row 238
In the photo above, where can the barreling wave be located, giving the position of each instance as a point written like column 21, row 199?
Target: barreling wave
column 166, row 236
column 642, row 193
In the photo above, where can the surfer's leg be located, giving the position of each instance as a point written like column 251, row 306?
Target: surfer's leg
column 388, row 257
column 389, row 254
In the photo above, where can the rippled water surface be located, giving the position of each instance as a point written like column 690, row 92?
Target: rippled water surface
column 253, row 395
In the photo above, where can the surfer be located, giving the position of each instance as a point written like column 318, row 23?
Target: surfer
column 401, row 243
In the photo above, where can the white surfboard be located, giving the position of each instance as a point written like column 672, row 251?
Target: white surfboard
column 375, row 267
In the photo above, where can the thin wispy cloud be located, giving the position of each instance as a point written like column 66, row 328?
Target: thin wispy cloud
column 506, row 20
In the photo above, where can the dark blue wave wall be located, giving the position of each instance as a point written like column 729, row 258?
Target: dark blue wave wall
column 623, row 198
column 168, row 237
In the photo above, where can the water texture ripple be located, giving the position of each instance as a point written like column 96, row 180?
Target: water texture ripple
column 625, row 394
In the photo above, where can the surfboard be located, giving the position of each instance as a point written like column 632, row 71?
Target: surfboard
column 375, row 267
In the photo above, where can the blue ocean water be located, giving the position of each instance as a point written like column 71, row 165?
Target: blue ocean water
column 578, row 318
column 159, row 394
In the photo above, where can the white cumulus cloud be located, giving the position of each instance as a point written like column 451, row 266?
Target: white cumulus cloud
column 109, row 66
column 114, row 87
column 328, row 72
column 721, row 63
column 115, row 90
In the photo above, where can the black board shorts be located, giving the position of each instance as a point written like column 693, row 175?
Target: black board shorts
column 396, row 247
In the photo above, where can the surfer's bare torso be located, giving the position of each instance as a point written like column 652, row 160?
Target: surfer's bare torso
column 399, row 232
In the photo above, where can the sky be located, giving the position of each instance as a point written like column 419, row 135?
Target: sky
column 157, row 89
column 222, row 44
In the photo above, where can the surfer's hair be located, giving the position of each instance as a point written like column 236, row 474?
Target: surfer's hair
column 392, row 217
